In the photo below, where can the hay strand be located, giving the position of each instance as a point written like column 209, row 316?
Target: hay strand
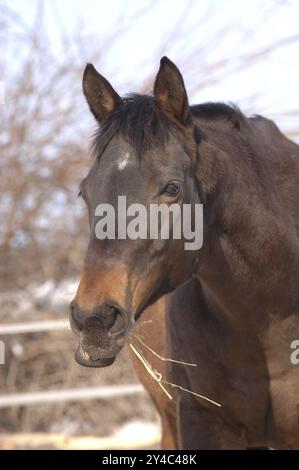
column 166, row 359
column 153, row 373
column 157, row 376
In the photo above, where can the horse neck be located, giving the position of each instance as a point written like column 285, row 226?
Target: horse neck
column 252, row 248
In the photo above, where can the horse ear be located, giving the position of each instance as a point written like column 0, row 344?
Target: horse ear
column 100, row 96
column 170, row 93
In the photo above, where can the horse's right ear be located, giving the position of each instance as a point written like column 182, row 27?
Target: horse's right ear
column 170, row 93
column 100, row 96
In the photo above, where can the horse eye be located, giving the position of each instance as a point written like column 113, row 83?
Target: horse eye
column 172, row 189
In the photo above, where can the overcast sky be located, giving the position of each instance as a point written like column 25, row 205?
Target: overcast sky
column 273, row 82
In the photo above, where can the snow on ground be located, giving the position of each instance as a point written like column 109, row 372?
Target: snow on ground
column 47, row 296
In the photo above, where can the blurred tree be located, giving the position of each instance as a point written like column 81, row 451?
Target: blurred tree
column 45, row 128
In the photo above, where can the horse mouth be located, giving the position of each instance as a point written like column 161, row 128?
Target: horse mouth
column 97, row 346
column 100, row 359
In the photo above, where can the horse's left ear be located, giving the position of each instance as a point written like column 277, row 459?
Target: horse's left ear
column 170, row 93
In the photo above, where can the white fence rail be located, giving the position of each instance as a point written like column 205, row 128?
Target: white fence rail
column 72, row 394
column 52, row 396
column 33, row 327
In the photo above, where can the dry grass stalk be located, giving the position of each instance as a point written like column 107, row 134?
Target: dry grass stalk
column 157, row 376
column 166, row 359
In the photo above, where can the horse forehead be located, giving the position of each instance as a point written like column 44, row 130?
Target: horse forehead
column 125, row 159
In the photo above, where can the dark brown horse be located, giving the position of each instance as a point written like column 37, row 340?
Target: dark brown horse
column 233, row 305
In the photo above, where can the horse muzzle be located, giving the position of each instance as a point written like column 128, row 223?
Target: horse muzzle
column 102, row 333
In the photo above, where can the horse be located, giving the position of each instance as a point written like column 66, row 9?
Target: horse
column 231, row 306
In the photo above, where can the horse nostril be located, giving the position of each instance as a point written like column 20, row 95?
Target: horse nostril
column 108, row 315
column 120, row 322
column 76, row 317
column 103, row 319
column 112, row 317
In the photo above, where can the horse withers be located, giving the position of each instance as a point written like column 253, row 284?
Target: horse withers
column 232, row 305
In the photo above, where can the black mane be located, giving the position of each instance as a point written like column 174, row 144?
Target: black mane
column 212, row 111
column 140, row 121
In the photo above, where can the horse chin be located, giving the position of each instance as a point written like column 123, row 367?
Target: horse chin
column 99, row 360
